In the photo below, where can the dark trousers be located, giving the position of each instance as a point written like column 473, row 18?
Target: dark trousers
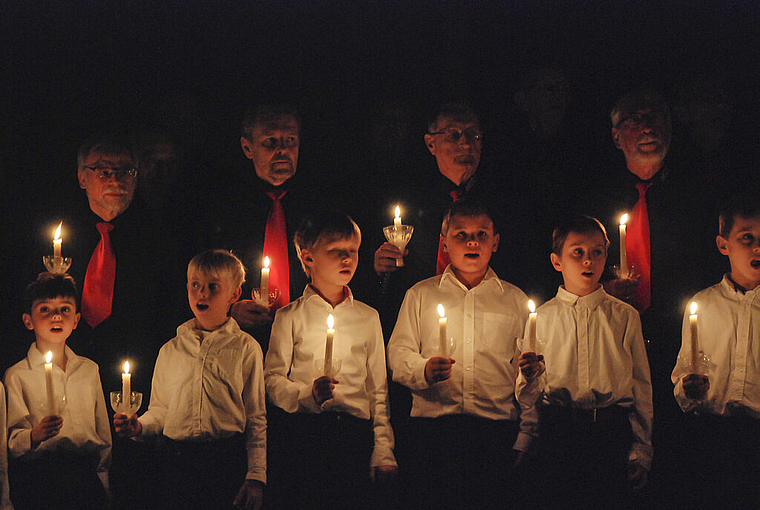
column 581, row 459
column 318, row 461
column 457, row 461
column 57, row 480
column 202, row 475
column 717, row 463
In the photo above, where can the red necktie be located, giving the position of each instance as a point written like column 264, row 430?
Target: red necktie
column 97, row 294
column 443, row 256
column 638, row 249
column 276, row 248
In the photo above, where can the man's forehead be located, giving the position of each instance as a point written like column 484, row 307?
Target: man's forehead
column 107, row 158
column 286, row 123
column 445, row 121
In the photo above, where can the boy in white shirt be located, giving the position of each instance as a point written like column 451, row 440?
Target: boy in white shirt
column 207, row 398
column 594, row 397
column 5, row 501
column 463, row 435
column 722, row 438
column 61, row 455
column 333, row 432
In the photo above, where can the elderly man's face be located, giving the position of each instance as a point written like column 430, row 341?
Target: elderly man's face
column 273, row 148
column 643, row 136
column 457, row 159
column 108, row 185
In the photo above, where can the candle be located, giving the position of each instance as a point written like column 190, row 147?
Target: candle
column 57, row 241
column 51, row 407
column 442, row 331
column 126, row 387
column 265, row 281
column 329, row 345
column 397, row 219
column 694, row 335
column 531, row 346
column 623, row 249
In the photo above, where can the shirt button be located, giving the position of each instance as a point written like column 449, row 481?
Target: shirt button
column 469, row 369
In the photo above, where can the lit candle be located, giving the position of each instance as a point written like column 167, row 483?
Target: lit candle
column 49, row 383
column 531, row 346
column 57, row 241
column 442, row 331
column 265, row 280
column 126, row 387
column 329, row 345
column 623, row 250
column 694, row 335
column 397, row 219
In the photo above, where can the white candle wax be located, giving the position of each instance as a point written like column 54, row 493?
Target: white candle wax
column 442, row 334
column 57, row 241
column 329, row 345
column 126, row 387
column 265, row 280
column 531, row 346
column 623, row 250
column 51, row 407
column 397, row 219
column 694, row 336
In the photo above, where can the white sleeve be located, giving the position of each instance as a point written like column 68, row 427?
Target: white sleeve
column 405, row 358
column 377, row 390
column 255, row 414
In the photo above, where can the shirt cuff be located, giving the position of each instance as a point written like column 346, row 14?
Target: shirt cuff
column 306, row 400
column 523, row 442
column 641, row 455
column 382, row 456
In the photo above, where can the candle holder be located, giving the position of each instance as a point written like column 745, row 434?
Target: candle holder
column 700, row 367
column 628, row 273
column 271, row 298
column 398, row 236
column 60, row 404
column 119, row 407
column 319, row 365
column 57, row 265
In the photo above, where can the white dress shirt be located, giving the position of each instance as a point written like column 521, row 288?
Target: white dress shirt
column 594, row 357
column 85, row 427
column 5, row 502
column 298, row 340
column 210, row 385
column 728, row 323
column 483, row 323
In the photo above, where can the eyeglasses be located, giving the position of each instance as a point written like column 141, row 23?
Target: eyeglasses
column 453, row 134
column 106, row 173
column 639, row 119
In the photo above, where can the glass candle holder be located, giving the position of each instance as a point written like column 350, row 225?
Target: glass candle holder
column 56, row 264
column 120, row 407
column 270, row 299
column 399, row 236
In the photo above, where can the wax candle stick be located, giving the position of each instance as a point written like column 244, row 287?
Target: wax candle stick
column 442, row 334
column 623, row 250
column 329, row 345
column 694, row 335
column 265, row 281
column 51, row 407
column 57, row 241
column 397, row 219
column 531, row 346
column 126, row 388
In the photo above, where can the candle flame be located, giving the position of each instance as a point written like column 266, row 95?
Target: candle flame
column 330, row 321
column 693, row 308
column 624, row 219
column 441, row 312
column 126, row 367
column 49, row 357
column 266, row 261
column 398, row 212
column 58, row 232
column 531, row 306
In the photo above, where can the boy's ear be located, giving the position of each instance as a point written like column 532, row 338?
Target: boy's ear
column 306, row 257
column 556, row 262
column 27, row 320
column 495, row 243
column 722, row 243
column 236, row 295
column 445, row 246
column 76, row 320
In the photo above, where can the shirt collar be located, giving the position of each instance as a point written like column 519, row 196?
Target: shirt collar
column 448, row 274
column 590, row 301
column 310, row 292
column 734, row 288
column 36, row 358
